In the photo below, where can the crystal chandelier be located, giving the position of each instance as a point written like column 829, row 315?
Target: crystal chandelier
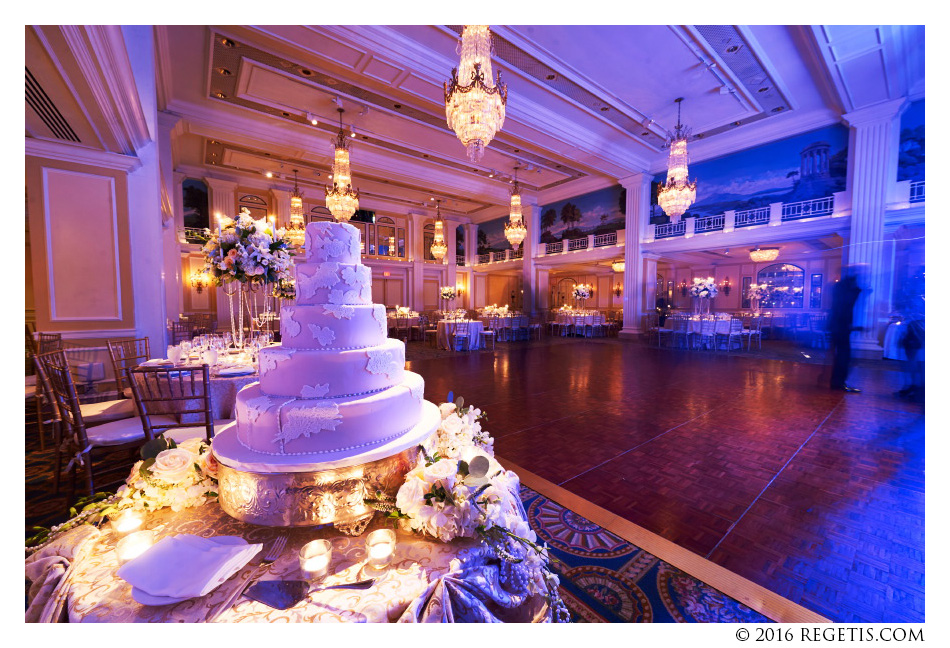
column 342, row 201
column 439, row 248
column 295, row 233
column 677, row 193
column 515, row 231
column 476, row 110
column 618, row 266
column 763, row 255
column 392, row 246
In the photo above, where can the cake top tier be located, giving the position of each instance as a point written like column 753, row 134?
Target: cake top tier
column 338, row 242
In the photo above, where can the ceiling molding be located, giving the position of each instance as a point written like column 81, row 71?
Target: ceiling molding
column 64, row 152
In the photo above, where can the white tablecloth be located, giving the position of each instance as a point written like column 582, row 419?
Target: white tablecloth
column 892, row 341
column 466, row 328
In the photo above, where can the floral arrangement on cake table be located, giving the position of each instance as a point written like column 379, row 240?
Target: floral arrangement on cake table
column 243, row 255
column 582, row 292
column 171, row 475
column 458, row 489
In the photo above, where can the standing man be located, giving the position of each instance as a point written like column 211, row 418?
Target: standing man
column 840, row 324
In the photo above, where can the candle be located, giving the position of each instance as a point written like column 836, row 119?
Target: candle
column 315, row 559
column 127, row 522
column 133, row 545
column 380, row 548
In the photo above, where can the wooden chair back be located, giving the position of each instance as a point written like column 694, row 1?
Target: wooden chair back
column 182, row 392
column 125, row 354
column 49, row 342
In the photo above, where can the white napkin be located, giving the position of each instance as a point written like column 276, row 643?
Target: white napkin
column 156, row 362
column 236, row 371
column 185, row 566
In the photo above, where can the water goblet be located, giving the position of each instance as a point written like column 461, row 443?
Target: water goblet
column 186, row 348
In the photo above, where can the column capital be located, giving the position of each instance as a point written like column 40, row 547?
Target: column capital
column 635, row 180
column 217, row 184
column 881, row 112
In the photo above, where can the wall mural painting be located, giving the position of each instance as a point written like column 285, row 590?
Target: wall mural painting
column 599, row 212
column 910, row 163
column 491, row 236
column 803, row 167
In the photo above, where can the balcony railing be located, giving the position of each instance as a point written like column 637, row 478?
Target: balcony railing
column 460, row 259
column 808, row 208
column 518, row 254
column 710, row 223
column 193, row 235
column 484, row 258
column 577, row 244
column 602, row 240
column 668, row 230
column 917, row 191
column 750, row 217
column 554, row 248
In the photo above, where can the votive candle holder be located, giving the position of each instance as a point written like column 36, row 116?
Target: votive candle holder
column 133, row 545
column 380, row 548
column 127, row 522
column 315, row 559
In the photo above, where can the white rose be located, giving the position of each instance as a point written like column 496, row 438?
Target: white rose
column 191, row 445
column 446, row 408
column 173, row 465
column 452, row 424
column 409, row 496
column 442, row 469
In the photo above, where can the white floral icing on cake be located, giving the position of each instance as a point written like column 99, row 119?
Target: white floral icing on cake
column 314, row 391
column 256, row 407
column 338, row 296
column 382, row 361
column 291, row 326
column 417, row 391
column 366, row 293
column 304, row 421
column 324, row 335
column 327, row 275
column 305, row 284
column 356, row 276
column 379, row 314
column 270, row 358
column 340, row 311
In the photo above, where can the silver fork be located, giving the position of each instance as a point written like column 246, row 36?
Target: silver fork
column 273, row 553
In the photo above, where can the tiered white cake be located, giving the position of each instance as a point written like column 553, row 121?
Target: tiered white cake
column 336, row 389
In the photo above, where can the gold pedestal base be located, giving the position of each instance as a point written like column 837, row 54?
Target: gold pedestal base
column 296, row 499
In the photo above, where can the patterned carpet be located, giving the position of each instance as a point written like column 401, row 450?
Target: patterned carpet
column 608, row 580
column 604, row 578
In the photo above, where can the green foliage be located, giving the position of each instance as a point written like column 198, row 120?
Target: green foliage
column 152, row 448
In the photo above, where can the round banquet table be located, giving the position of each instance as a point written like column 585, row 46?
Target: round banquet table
column 408, row 590
column 472, row 329
column 224, row 391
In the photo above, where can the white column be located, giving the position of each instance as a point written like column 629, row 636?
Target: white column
column 471, row 244
column 172, row 217
column 638, row 213
column 450, row 266
column 531, row 215
column 416, row 298
column 649, row 282
column 145, row 197
column 223, row 202
column 281, row 207
column 775, row 213
column 543, row 290
column 873, row 147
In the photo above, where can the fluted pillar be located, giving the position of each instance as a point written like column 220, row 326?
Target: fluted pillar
column 637, row 216
column 873, row 148
column 471, row 244
column 530, row 214
column 281, row 207
column 223, row 202
column 416, row 286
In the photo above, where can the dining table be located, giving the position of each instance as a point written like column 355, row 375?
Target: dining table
column 426, row 581
column 470, row 330
column 227, row 377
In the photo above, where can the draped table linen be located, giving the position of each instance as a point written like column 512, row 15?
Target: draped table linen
column 470, row 329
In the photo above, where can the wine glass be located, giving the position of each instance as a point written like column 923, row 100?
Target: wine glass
column 186, row 348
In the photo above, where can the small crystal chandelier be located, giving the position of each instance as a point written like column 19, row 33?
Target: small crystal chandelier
column 392, row 246
column 618, row 266
column 763, row 255
column 515, row 231
column 342, row 201
column 475, row 111
column 677, row 193
column 295, row 233
column 439, row 248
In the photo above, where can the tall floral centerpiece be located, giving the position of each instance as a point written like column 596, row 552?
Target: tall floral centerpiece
column 582, row 293
column 243, row 256
column 757, row 292
column 447, row 294
column 703, row 291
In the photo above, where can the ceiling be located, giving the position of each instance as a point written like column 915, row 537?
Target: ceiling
column 587, row 105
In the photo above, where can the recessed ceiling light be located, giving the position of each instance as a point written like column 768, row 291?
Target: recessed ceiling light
column 268, row 174
column 425, row 155
column 220, row 95
column 285, row 114
column 306, row 72
column 224, row 71
column 735, row 123
column 778, row 109
column 551, row 77
column 397, row 106
column 765, row 88
column 365, row 137
column 330, row 176
column 699, row 136
column 733, row 49
column 604, row 108
column 227, row 42
column 644, row 133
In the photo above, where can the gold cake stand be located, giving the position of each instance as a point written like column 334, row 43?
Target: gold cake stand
column 275, row 491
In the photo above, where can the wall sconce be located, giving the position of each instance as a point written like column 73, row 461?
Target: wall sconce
column 683, row 287
column 618, row 289
column 726, row 286
column 459, row 289
column 198, row 281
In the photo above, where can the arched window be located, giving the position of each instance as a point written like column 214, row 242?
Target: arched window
column 786, row 283
column 320, row 213
column 254, row 204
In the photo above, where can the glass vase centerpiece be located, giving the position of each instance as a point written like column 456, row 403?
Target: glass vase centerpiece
column 243, row 257
column 447, row 294
column 757, row 293
column 703, row 291
column 581, row 294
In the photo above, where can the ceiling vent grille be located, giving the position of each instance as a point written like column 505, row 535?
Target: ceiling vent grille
column 40, row 102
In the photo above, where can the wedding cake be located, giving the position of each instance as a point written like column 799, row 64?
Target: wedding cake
column 335, row 392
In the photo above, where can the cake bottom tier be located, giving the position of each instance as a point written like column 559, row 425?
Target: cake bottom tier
column 280, row 425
